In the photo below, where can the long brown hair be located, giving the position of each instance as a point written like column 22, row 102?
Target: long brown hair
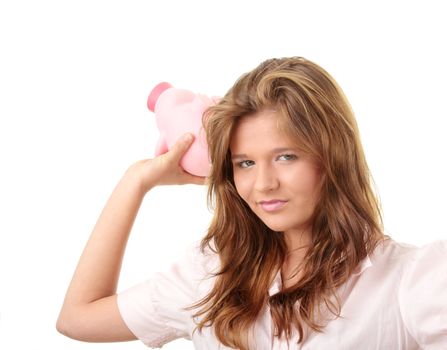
column 347, row 223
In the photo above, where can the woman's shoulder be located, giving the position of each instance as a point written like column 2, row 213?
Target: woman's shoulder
column 425, row 264
column 422, row 294
column 390, row 250
column 414, row 268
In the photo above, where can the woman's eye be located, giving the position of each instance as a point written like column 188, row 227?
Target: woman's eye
column 287, row 157
column 245, row 163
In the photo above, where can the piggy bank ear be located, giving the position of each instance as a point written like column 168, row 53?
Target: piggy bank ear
column 216, row 99
column 155, row 94
column 162, row 146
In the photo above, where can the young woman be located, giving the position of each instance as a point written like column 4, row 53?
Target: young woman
column 295, row 256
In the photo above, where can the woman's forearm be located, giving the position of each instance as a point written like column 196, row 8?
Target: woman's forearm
column 97, row 273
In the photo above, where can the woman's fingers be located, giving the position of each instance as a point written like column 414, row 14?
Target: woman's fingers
column 166, row 169
column 172, row 172
column 180, row 147
column 192, row 179
column 176, row 153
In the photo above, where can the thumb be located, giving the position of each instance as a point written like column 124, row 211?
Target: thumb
column 181, row 146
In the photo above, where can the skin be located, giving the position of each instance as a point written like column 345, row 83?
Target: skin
column 267, row 165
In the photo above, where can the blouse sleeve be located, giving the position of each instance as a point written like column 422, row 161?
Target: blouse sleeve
column 423, row 296
column 154, row 310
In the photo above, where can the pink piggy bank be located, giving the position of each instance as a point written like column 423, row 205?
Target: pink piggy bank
column 177, row 112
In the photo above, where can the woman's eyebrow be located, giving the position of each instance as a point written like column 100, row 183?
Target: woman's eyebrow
column 273, row 151
column 238, row 156
column 284, row 149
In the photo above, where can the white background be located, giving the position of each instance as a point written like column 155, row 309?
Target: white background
column 74, row 78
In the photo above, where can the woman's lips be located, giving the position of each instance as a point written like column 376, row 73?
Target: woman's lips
column 272, row 205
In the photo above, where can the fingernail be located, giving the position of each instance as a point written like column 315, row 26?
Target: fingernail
column 187, row 137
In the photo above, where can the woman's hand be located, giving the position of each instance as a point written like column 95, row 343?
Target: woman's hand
column 165, row 169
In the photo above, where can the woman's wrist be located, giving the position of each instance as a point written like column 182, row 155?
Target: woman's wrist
column 136, row 174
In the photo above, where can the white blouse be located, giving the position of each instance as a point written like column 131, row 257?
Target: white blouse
column 396, row 300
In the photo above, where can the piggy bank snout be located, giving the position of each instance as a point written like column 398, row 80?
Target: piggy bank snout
column 155, row 94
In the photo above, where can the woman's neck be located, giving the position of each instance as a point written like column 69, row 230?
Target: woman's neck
column 297, row 241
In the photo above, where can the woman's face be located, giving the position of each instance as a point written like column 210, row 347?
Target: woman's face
column 279, row 183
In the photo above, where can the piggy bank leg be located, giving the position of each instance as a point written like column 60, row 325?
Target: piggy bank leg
column 161, row 147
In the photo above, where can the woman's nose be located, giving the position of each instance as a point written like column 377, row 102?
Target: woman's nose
column 266, row 180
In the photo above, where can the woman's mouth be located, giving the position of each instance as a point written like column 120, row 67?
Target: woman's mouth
column 272, row 205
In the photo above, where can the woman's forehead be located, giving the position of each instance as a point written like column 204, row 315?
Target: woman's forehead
column 260, row 130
